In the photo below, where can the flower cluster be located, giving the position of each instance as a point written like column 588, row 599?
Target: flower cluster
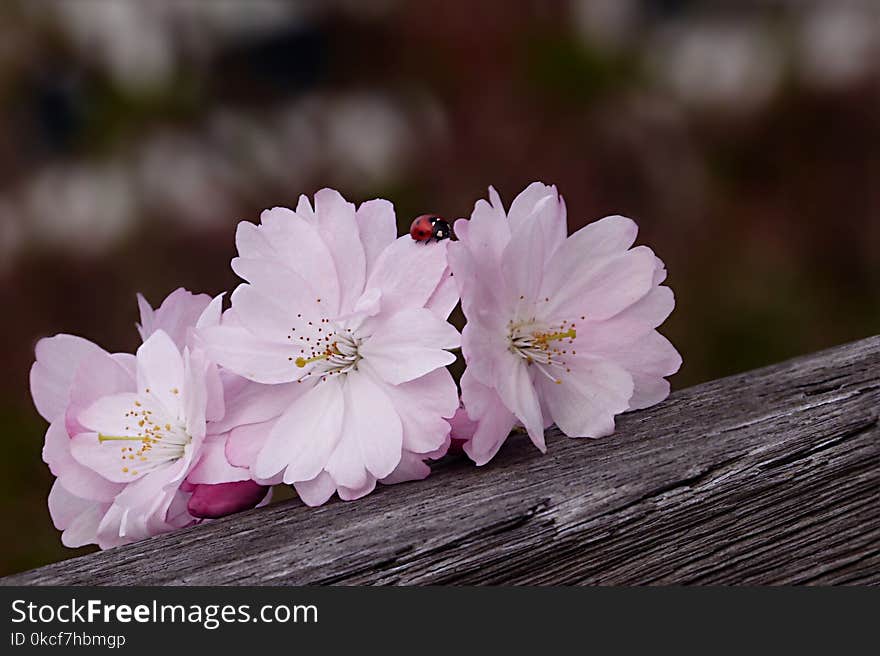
column 328, row 370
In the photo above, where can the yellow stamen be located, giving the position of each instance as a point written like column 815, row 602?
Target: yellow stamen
column 123, row 438
column 302, row 362
column 544, row 338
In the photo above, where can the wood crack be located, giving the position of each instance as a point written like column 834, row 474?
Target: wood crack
column 824, row 446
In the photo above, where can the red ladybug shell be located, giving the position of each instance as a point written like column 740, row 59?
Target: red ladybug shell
column 422, row 228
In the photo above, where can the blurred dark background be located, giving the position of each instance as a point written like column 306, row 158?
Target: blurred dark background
column 743, row 136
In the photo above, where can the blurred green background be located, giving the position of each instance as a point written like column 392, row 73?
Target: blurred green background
column 743, row 136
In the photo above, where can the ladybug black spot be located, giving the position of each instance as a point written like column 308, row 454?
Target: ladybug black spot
column 441, row 229
column 429, row 226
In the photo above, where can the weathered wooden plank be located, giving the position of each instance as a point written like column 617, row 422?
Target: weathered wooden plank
column 772, row 476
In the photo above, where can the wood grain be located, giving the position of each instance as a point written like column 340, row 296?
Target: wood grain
column 769, row 477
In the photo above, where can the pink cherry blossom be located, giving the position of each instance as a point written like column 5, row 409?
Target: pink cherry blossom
column 462, row 429
column 345, row 324
column 559, row 330
column 136, row 441
column 177, row 315
column 220, row 499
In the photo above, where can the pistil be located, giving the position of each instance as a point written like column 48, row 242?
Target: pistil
column 339, row 356
column 538, row 347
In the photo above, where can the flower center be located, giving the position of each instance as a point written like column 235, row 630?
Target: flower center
column 155, row 441
column 544, row 347
column 336, row 353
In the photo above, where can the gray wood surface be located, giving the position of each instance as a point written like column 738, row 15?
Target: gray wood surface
column 772, row 476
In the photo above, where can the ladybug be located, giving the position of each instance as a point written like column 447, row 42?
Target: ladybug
column 430, row 226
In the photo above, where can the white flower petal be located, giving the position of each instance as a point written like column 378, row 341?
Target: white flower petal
column 252, row 242
column 352, row 494
column 648, row 359
column 372, row 435
column 259, row 360
column 212, row 314
column 109, row 415
column 316, row 491
column 261, row 315
column 301, row 247
column 480, row 284
column 625, row 327
column 245, row 443
column 373, row 419
column 541, row 203
column 410, row 344
column 613, row 235
column 488, row 230
column 339, row 228
column 522, row 263
column 176, row 316
column 110, row 459
column 585, row 403
column 58, row 359
column 607, row 288
column 78, row 479
column 378, row 229
column 303, row 438
column 494, row 420
column 517, row 391
column 213, row 467
column 410, row 468
column 346, row 464
column 423, row 405
column 445, row 296
column 100, row 375
column 248, row 402
column 84, row 528
column 195, row 394
column 279, row 283
column 65, row 507
column 408, row 272
column 160, row 370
